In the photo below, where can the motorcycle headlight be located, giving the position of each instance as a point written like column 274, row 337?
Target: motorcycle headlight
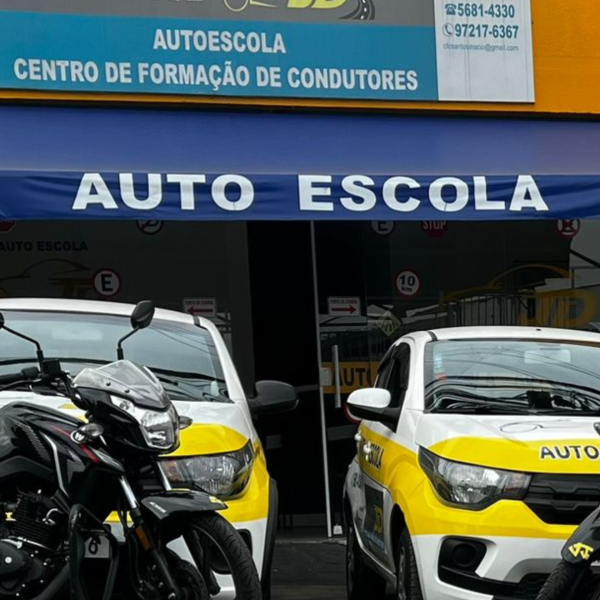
column 160, row 429
column 221, row 475
column 470, row 486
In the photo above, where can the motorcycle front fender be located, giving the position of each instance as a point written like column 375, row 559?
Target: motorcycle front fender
column 584, row 545
column 179, row 503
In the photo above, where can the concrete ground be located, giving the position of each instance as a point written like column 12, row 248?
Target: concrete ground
column 309, row 570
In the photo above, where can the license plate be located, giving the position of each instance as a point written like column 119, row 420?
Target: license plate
column 97, row 548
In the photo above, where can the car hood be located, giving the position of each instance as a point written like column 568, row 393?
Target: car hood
column 216, row 427
column 535, row 444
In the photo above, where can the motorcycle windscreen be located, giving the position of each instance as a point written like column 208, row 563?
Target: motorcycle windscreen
column 127, row 379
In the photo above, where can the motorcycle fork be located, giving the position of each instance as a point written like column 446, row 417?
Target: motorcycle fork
column 144, row 537
column 83, row 525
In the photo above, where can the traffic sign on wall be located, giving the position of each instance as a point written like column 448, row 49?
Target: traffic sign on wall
column 343, row 306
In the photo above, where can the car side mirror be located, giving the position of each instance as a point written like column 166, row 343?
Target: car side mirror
column 373, row 404
column 142, row 314
column 273, row 397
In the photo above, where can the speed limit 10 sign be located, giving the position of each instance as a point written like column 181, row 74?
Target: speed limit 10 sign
column 408, row 283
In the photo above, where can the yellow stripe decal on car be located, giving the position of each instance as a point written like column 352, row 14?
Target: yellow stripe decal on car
column 209, row 438
column 540, row 456
column 410, row 489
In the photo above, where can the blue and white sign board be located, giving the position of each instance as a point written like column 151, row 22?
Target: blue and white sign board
column 338, row 49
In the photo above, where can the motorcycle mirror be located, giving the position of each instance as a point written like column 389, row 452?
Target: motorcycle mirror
column 142, row 314
column 39, row 353
column 141, row 317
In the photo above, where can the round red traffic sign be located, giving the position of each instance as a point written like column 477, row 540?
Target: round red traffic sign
column 408, row 283
column 107, row 282
column 569, row 228
column 434, row 228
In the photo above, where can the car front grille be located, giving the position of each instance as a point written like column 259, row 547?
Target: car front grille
column 563, row 499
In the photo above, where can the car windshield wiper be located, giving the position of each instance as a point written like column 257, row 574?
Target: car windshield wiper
column 492, row 382
column 482, row 405
column 200, row 394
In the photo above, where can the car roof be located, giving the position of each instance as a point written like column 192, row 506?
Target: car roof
column 88, row 306
column 530, row 333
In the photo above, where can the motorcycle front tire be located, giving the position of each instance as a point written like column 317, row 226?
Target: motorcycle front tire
column 565, row 583
column 233, row 548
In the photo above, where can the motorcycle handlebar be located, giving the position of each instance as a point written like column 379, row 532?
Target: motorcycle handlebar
column 29, row 374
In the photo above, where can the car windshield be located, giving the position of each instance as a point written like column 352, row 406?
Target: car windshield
column 512, row 377
column 182, row 356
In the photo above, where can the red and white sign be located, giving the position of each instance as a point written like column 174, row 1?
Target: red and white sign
column 434, row 228
column 107, row 282
column 150, row 227
column 569, row 228
column 7, row 226
column 408, row 283
column 201, row 307
column 348, row 306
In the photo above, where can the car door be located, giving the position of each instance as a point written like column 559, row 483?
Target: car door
column 375, row 440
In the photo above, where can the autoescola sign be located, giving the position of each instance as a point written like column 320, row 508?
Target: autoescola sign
column 340, row 49
column 316, row 195
column 231, row 196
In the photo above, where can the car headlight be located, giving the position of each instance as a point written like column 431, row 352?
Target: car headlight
column 221, row 475
column 160, row 429
column 471, row 486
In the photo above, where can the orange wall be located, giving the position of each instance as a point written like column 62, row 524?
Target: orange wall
column 566, row 37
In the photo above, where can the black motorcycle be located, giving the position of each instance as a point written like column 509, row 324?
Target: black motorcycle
column 61, row 478
column 575, row 576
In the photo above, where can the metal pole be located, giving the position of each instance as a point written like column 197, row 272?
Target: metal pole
column 336, row 371
column 321, row 391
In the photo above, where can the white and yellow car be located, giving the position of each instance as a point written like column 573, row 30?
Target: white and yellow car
column 478, row 454
column 220, row 450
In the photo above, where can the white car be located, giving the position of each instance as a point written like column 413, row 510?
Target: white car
column 478, row 456
column 220, row 451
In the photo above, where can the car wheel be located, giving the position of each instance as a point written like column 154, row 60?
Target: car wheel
column 408, row 586
column 361, row 581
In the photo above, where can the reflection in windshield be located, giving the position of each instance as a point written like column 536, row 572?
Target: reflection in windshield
column 182, row 356
column 512, row 377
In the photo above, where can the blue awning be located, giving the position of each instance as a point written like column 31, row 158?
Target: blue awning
column 116, row 163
